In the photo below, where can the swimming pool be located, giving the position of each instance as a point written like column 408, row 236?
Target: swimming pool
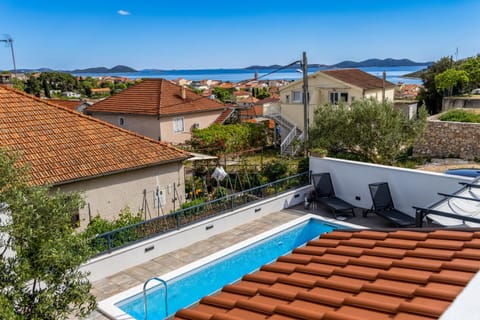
column 189, row 287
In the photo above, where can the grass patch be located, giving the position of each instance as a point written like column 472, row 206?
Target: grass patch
column 460, row 115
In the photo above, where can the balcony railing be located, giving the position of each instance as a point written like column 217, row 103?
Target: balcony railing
column 119, row 238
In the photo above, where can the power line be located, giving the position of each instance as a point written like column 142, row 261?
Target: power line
column 281, row 68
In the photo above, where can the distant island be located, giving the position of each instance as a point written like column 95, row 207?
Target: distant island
column 389, row 62
column 116, row 69
column 344, row 64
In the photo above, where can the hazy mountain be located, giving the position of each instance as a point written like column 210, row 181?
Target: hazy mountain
column 389, row 62
column 116, row 69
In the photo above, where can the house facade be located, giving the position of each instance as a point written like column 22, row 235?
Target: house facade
column 159, row 109
column 331, row 86
column 111, row 167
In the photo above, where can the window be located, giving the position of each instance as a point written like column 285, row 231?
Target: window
column 178, row 125
column 121, row 121
column 336, row 97
column 297, row 96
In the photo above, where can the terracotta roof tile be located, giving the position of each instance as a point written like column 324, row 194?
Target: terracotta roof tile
column 358, row 78
column 348, row 275
column 62, row 145
column 158, row 97
column 69, row 104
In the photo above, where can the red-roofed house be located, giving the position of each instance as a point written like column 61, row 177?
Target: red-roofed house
column 159, row 109
column 325, row 86
column 114, row 168
column 331, row 86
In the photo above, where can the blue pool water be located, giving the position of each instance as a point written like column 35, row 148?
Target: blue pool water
column 190, row 287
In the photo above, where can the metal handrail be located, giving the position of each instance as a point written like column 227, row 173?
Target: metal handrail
column 145, row 296
column 288, row 140
column 229, row 202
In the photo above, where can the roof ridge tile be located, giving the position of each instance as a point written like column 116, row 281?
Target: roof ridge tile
column 372, row 304
column 421, row 309
column 299, row 313
column 255, row 306
column 278, row 294
column 321, row 298
column 434, row 293
column 243, row 290
column 219, row 302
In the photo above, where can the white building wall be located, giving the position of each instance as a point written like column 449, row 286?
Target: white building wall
column 108, row 195
column 408, row 187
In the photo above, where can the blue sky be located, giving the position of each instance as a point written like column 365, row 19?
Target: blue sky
column 228, row 34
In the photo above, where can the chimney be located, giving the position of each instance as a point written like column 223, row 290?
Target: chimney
column 184, row 93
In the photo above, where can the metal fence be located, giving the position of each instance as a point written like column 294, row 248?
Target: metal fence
column 116, row 239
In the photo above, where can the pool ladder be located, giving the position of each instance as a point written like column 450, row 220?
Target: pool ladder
column 145, row 296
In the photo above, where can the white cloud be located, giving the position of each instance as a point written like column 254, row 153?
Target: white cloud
column 123, row 12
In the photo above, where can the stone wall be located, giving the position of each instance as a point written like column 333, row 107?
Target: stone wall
column 449, row 139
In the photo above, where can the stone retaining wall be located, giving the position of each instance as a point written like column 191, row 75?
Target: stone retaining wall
column 449, row 139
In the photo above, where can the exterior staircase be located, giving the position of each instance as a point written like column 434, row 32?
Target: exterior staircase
column 288, row 145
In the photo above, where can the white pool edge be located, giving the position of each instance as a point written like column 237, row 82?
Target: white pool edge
column 108, row 306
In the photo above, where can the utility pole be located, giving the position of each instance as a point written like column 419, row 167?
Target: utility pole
column 384, row 78
column 305, row 102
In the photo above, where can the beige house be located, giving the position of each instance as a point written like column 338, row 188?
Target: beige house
column 331, row 86
column 112, row 167
column 159, row 109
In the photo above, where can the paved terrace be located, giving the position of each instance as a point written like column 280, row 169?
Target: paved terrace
column 134, row 276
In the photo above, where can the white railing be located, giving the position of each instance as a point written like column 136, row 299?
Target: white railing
column 288, row 140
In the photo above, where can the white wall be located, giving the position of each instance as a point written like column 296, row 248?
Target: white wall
column 136, row 254
column 408, row 187
column 108, row 195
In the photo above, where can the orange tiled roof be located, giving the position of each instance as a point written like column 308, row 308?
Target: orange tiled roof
column 354, row 275
column 254, row 111
column 157, row 97
column 69, row 104
column 358, row 78
column 62, row 145
column 268, row 100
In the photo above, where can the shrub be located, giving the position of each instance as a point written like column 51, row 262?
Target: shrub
column 460, row 115
column 275, row 170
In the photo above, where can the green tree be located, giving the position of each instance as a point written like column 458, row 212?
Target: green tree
column 33, row 86
column 370, row 130
column 450, row 78
column 472, row 68
column 18, row 84
column 223, row 94
column 429, row 95
column 41, row 254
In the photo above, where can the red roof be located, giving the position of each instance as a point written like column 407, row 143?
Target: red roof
column 157, row 97
column 358, row 78
column 63, row 145
column 353, row 275
column 69, row 104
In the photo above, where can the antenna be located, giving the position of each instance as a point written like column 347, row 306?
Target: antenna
column 9, row 42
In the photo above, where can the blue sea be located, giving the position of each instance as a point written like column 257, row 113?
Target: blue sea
column 394, row 74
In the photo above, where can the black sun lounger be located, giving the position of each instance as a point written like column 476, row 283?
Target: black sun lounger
column 325, row 194
column 384, row 207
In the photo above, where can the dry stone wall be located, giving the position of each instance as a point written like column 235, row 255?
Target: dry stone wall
column 449, row 139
